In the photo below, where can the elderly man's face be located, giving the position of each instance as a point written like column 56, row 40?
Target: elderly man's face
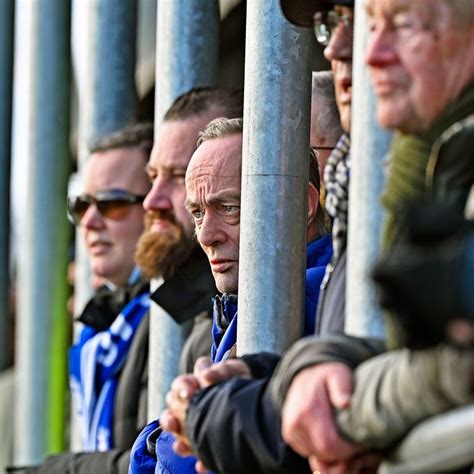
column 420, row 58
column 213, row 200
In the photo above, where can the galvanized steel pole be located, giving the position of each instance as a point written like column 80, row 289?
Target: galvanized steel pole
column 187, row 42
column 369, row 146
column 104, row 40
column 186, row 57
column 6, row 81
column 274, row 180
column 40, row 133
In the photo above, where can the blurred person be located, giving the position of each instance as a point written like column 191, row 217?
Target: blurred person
column 421, row 62
column 169, row 237
column 110, row 216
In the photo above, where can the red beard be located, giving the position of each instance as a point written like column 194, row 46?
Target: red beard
column 160, row 253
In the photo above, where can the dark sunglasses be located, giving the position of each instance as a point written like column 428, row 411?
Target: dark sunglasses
column 112, row 204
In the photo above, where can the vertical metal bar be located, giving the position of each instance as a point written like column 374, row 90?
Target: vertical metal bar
column 41, row 133
column 186, row 49
column 103, row 40
column 6, row 81
column 186, row 57
column 274, row 180
column 369, row 145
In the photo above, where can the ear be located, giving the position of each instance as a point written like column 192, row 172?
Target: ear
column 313, row 203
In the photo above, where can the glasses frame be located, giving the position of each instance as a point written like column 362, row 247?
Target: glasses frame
column 109, row 196
column 326, row 22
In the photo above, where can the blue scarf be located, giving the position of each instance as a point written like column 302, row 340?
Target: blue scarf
column 95, row 362
column 224, row 327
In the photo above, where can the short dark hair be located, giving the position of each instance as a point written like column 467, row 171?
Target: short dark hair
column 139, row 135
column 201, row 99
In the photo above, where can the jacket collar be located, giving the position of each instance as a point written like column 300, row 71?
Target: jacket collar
column 101, row 311
column 189, row 291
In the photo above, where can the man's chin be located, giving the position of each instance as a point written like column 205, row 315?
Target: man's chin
column 225, row 285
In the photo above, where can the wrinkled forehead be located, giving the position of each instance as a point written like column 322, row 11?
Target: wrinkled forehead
column 390, row 8
column 218, row 158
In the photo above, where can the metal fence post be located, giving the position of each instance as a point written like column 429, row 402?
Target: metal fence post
column 104, row 39
column 186, row 57
column 40, row 133
column 369, row 146
column 274, row 180
column 6, row 85
column 104, row 56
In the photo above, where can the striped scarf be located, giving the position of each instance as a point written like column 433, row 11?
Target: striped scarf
column 94, row 366
column 336, row 181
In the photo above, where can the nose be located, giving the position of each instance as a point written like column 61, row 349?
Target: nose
column 158, row 198
column 340, row 45
column 92, row 218
column 211, row 233
column 380, row 50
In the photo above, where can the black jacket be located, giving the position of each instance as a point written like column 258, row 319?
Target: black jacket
column 234, row 427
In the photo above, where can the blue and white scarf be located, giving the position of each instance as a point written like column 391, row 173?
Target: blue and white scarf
column 94, row 364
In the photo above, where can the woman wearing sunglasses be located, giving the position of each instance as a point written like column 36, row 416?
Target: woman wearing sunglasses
column 109, row 212
column 108, row 362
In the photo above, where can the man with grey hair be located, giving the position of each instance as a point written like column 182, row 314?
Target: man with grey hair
column 422, row 65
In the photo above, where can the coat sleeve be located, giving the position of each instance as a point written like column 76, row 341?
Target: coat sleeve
column 314, row 350
column 234, row 427
column 395, row 391
column 109, row 462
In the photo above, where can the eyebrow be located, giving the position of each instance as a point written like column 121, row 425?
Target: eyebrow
column 169, row 169
column 217, row 198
